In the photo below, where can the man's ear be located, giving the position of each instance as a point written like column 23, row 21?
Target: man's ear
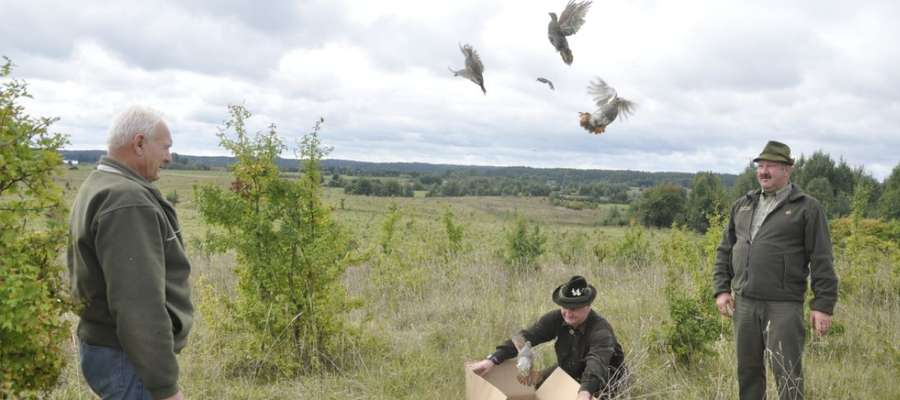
column 137, row 142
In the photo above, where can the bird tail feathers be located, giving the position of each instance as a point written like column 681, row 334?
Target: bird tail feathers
column 567, row 56
column 626, row 107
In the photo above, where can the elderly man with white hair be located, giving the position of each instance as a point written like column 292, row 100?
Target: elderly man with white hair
column 128, row 266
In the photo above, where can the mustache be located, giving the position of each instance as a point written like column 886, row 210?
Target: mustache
column 765, row 176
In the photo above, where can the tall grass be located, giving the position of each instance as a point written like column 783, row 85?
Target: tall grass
column 460, row 305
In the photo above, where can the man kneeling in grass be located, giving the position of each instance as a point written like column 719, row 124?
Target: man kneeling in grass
column 586, row 347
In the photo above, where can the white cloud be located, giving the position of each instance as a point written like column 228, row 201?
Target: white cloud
column 714, row 80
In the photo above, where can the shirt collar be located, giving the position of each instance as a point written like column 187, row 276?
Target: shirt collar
column 779, row 194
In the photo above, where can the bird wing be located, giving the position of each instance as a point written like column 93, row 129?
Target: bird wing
column 572, row 17
column 601, row 92
column 626, row 107
column 518, row 341
column 473, row 61
column 547, row 81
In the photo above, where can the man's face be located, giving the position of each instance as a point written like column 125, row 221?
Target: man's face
column 156, row 151
column 574, row 317
column 772, row 175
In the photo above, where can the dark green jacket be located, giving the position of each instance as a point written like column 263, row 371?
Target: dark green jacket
column 792, row 246
column 589, row 354
column 129, row 270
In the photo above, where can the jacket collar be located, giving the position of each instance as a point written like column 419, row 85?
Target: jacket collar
column 795, row 194
column 107, row 164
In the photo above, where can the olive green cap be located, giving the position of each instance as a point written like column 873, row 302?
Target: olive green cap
column 777, row 152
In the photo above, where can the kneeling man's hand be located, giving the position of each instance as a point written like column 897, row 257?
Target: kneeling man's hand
column 480, row 368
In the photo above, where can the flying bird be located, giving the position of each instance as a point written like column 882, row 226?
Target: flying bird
column 547, row 81
column 474, row 69
column 609, row 106
column 569, row 21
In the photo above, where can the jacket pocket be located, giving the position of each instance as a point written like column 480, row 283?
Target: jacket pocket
column 795, row 272
column 739, row 262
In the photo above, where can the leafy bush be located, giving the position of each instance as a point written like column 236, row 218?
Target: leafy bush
column 454, row 232
column 524, row 246
column 290, row 253
column 388, row 228
column 32, row 233
column 694, row 320
column 632, row 250
column 867, row 252
column 570, row 245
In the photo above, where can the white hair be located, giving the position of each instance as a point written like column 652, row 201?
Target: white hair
column 136, row 119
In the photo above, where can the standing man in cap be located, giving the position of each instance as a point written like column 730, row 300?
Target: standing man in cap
column 128, row 267
column 586, row 347
column 776, row 240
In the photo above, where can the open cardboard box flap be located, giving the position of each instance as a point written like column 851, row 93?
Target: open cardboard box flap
column 501, row 384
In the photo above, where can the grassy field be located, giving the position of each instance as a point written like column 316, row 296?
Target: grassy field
column 445, row 310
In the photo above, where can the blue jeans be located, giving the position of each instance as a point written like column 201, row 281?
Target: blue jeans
column 110, row 374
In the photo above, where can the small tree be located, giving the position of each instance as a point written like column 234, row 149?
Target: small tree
column 290, row 253
column 388, row 228
column 689, row 263
column 454, row 232
column 32, row 233
column 524, row 246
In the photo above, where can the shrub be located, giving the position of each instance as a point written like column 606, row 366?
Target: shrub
column 388, row 228
column 632, row 250
column 694, row 320
column 524, row 246
column 570, row 246
column 32, row 233
column 454, row 232
column 290, row 253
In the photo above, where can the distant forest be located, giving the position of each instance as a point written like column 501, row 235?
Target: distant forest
column 455, row 180
column 659, row 198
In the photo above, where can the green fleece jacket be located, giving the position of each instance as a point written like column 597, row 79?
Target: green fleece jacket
column 792, row 246
column 129, row 271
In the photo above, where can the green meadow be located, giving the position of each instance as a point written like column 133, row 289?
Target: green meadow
column 424, row 311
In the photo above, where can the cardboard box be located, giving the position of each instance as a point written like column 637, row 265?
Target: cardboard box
column 501, row 384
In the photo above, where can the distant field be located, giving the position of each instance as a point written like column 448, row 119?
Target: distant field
column 446, row 310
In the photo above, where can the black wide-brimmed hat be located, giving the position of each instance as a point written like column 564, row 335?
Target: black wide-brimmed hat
column 575, row 293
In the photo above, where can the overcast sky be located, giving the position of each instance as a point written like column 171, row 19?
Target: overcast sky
column 714, row 80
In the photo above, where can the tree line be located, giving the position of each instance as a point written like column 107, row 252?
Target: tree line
column 834, row 184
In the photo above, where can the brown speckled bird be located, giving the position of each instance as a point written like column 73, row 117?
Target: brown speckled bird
column 474, row 70
column 609, row 106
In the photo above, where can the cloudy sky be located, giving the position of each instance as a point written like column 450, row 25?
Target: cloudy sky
column 714, row 80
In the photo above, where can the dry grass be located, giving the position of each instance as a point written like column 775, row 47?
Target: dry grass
column 449, row 309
